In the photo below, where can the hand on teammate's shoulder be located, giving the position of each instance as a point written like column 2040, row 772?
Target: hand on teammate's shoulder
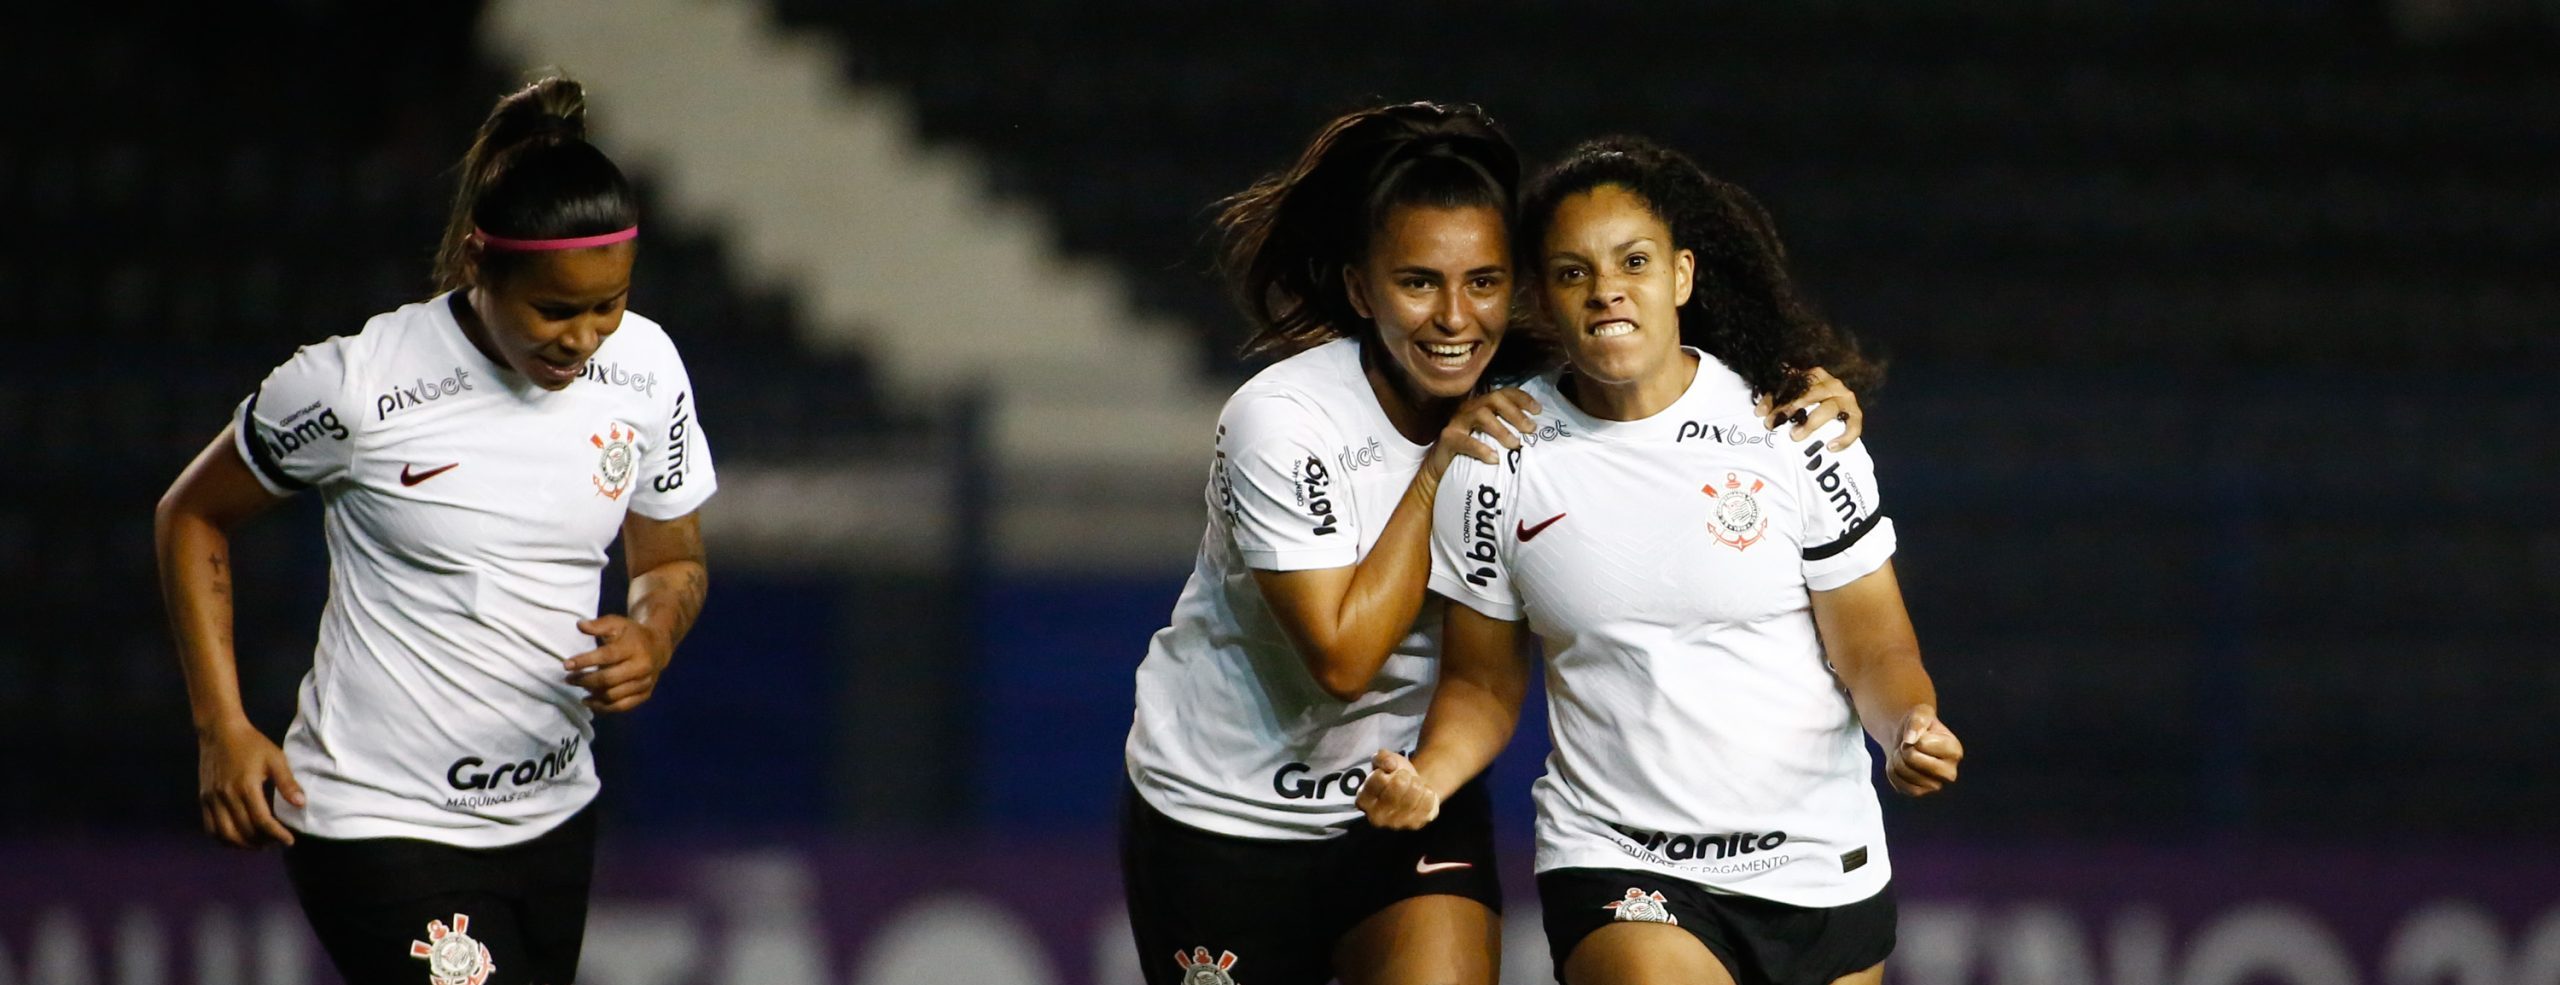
column 1503, row 415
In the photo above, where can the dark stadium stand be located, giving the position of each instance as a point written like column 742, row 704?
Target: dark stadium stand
column 2221, row 331
column 1997, row 182
column 2260, row 525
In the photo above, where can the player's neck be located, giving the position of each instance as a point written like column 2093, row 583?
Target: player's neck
column 466, row 312
column 1636, row 399
column 1417, row 417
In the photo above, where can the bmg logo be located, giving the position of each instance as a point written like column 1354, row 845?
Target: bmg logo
column 283, row 441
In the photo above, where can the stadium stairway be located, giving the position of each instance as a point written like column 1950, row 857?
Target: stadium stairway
column 1091, row 403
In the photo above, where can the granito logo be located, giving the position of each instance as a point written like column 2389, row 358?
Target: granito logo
column 1315, row 486
column 466, row 773
column 676, row 431
column 1722, row 434
column 1482, row 538
column 611, row 374
column 1292, row 782
column 1846, row 499
column 293, row 437
column 401, row 398
column 1682, row 848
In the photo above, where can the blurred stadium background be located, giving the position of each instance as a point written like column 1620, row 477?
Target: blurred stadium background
column 2222, row 340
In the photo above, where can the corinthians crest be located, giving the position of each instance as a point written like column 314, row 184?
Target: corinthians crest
column 1199, row 969
column 453, row 958
column 620, row 460
column 1642, row 907
column 1740, row 522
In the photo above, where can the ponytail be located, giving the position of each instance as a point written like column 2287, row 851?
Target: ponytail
column 531, row 175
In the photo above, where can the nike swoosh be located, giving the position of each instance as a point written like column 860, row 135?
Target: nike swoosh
column 1527, row 532
column 409, row 479
column 1425, row 866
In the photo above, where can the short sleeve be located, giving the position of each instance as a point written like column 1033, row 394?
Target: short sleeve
column 1286, row 509
column 678, row 478
column 1846, row 535
column 1471, row 535
column 297, row 430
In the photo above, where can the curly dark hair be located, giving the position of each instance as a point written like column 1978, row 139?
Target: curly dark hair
column 1743, row 308
column 1289, row 237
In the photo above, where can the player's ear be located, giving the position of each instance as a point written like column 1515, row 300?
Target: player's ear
column 473, row 255
column 1355, row 286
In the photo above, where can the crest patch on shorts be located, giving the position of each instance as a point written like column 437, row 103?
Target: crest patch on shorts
column 1642, row 907
column 452, row 957
column 1199, row 969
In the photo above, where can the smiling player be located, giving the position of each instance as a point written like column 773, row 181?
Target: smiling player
column 476, row 453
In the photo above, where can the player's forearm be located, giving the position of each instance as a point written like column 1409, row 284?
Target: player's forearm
column 669, row 597
column 1385, row 594
column 195, row 588
column 1885, row 684
column 1468, row 725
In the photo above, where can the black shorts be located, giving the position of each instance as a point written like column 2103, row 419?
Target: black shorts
column 1272, row 910
column 1760, row 942
column 406, row 910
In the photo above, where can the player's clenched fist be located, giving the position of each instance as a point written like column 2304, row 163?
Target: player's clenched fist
column 622, row 671
column 1925, row 760
column 1395, row 797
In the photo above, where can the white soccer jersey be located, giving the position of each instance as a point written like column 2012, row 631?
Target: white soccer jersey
column 1232, row 733
column 1666, row 565
column 468, row 512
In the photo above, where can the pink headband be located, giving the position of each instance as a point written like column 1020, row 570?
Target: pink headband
column 574, row 243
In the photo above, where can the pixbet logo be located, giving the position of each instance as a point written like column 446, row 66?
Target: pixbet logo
column 1547, row 432
column 611, row 374
column 1681, row 848
column 401, row 398
column 1354, row 459
column 1219, row 480
column 1482, row 537
column 466, row 774
column 673, row 479
column 1719, row 433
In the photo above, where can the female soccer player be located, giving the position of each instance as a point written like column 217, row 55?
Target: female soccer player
column 476, row 453
column 1379, row 264
column 1716, row 600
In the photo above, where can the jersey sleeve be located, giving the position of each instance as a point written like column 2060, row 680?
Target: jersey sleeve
column 678, row 478
column 1846, row 535
column 296, row 430
column 1472, row 533
column 1286, row 509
